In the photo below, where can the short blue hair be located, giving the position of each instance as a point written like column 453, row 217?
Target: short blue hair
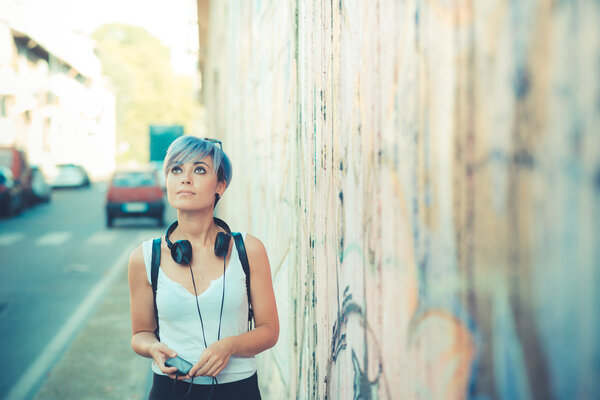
column 191, row 148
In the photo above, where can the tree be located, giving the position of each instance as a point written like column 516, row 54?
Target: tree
column 147, row 91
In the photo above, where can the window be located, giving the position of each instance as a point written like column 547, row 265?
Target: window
column 134, row 179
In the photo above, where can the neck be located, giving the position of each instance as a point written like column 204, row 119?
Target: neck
column 198, row 228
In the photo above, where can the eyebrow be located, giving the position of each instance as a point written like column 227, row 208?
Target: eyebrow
column 201, row 162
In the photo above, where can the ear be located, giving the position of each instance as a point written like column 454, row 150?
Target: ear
column 221, row 187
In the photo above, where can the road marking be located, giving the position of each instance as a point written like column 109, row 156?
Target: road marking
column 7, row 239
column 101, row 238
column 35, row 374
column 77, row 268
column 53, row 238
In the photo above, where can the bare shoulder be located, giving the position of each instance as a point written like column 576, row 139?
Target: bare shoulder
column 254, row 246
column 257, row 254
column 136, row 260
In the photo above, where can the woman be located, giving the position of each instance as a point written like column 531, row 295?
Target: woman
column 202, row 303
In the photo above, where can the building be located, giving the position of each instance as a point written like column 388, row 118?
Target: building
column 54, row 102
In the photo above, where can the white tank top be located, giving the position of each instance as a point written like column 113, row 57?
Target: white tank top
column 180, row 327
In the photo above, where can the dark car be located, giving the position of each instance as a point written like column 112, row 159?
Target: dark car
column 16, row 161
column 134, row 193
column 11, row 197
column 40, row 189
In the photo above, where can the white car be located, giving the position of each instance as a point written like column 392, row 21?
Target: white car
column 70, row 175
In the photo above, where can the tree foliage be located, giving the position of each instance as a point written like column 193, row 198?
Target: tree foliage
column 147, row 91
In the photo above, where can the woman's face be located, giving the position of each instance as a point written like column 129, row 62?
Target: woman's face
column 192, row 185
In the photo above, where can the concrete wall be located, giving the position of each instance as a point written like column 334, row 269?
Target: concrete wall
column 425, row 175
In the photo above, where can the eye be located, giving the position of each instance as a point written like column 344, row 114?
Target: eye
column 176, row 169
column 199, row 170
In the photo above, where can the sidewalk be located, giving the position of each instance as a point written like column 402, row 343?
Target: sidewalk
column 99, row 363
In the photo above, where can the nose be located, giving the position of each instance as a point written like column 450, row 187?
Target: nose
column 185, row 178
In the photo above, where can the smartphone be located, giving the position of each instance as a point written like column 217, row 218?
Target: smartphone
column 182, row 366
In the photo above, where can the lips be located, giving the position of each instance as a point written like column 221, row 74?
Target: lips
column 185, row 192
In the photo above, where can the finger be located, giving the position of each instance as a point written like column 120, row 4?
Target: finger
column 168, row 370
column 161, row 359
column 179, row 377
column 195, row 371
column 168, row 352
column 163, row 355
column 196, row 368
column 215, row 370
column 201, row 371
column 205, row 368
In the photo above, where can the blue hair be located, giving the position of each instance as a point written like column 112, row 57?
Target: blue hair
column 191, row 148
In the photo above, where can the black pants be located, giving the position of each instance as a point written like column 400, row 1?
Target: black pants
column 163, row 389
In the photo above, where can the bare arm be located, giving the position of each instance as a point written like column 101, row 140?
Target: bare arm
column 143, row 322
column 266, row 331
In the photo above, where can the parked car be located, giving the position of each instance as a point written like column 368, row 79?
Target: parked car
column 70, row 175
column 134, row 193
column 40, row 188
column 11, row 197
column 16, row 161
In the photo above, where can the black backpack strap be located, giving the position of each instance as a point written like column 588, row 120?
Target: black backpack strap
column 154, row 277
column 241, row 249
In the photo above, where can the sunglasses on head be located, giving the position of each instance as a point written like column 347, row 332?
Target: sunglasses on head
column 214, row 141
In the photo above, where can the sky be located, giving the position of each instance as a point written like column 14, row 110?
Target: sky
column 174, row 22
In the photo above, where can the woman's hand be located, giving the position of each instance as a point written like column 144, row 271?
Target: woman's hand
column 214, row 358
column 160, row 353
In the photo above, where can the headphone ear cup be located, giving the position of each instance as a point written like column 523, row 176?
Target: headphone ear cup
column 181, row 251
column 222, row 244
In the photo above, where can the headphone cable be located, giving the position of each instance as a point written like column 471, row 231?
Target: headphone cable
column 214, row 378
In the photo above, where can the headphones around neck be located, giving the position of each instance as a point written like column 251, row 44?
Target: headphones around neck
column 181, row 250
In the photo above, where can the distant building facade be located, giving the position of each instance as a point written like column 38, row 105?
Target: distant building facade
column 54, row 102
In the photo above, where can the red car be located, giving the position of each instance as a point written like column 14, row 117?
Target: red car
column 15, row 161
column 134, row 193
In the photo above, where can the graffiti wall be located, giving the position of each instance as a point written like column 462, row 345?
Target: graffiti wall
column 425, row 175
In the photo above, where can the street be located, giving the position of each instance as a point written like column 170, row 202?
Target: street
column 54, row 256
